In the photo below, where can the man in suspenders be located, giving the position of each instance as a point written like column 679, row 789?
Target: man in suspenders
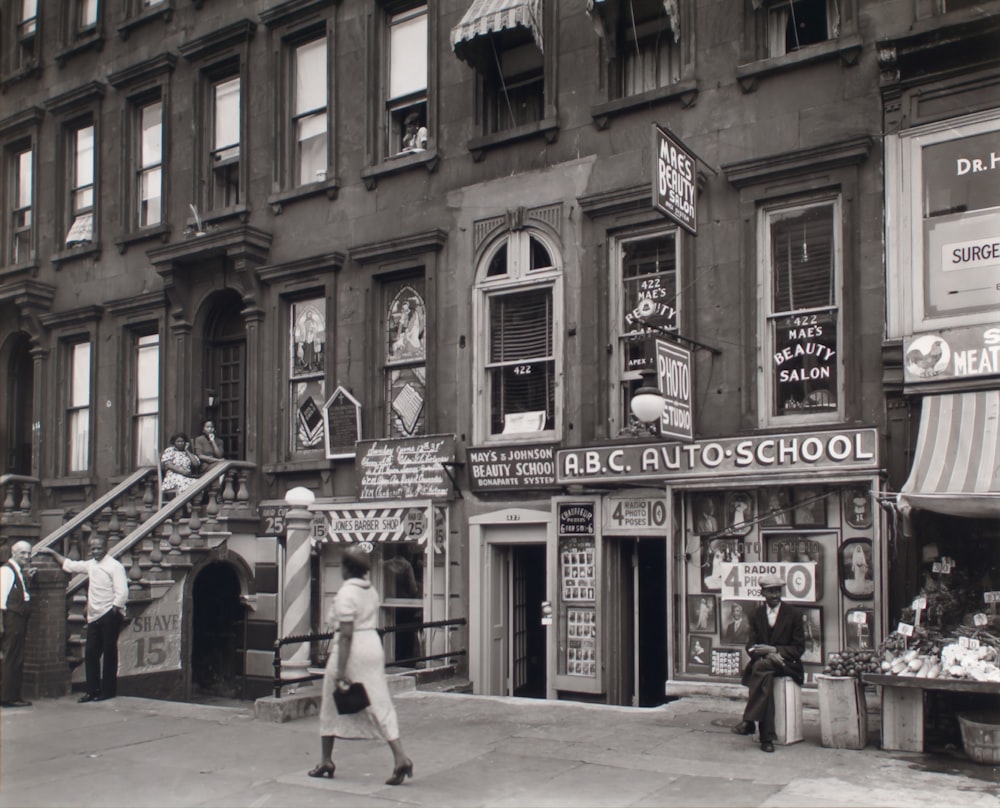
column 15, row 601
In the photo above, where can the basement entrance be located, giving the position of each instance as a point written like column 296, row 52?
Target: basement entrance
column 218, row 633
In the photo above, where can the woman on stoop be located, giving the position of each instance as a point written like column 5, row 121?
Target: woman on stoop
column 356, row 655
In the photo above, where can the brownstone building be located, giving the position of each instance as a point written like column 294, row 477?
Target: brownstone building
column 406, row 256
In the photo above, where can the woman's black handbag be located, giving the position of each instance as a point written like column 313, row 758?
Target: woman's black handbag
column 352, row 700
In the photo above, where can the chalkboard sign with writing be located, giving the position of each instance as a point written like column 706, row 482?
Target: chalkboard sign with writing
column 409, row 468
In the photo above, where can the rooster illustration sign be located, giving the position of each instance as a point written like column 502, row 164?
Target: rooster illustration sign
column 956, row 353
column 927, row 356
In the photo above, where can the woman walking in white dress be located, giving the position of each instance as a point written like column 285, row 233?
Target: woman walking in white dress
column 356, row 655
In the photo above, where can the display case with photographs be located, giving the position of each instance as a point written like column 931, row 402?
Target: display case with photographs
column 577, row 569
column 581, row 642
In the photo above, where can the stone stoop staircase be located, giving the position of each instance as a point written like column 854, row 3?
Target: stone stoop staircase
column 156, row 542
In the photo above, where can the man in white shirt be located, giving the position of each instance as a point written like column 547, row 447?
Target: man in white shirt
column 15, row 601
column 776, row 644
column 107, row 594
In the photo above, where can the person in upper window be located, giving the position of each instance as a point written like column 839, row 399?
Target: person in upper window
column 414, row 133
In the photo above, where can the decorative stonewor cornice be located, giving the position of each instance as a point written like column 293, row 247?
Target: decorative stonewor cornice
column 151, row 302
column 25, row 119
column 621, row 200
column 402, row 247
column 238, row 33
column 242, row 245
column 303, row 268
column 796, row 163
column 548, row 216
column 291, row 9
column 73, row 317
column 80, row 96
column 28, row 294
column 150, row 69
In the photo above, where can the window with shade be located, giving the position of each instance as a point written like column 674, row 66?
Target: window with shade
column 78, row 408
column 406, row 126
column 149, row 170
column 21, row 190
column 520, row 295
column 802, row 267
column 225, row 145
column 146, row 405
column 309, row 115
column 81, row 185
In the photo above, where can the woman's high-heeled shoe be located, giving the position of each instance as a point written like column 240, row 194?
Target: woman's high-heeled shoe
column 400, row 773
column 323, row 770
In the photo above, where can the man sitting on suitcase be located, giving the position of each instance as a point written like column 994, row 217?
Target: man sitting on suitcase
column 777, row 642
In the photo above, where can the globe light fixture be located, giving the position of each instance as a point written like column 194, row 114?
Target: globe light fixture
column 647, row 402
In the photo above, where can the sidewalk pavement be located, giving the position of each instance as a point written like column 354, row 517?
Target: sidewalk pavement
column 466, row 751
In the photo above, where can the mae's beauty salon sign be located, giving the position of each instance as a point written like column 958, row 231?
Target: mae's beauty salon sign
column 843, row 450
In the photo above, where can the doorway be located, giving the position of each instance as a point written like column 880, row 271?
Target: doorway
column 20, row 407
column 218, row 634
column 225, row 375
column 517, row 638
column 637, row 621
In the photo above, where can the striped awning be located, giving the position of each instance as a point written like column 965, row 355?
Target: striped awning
column 486, row 17
column 956, row 468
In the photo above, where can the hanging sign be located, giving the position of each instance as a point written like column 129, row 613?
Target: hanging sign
column 673, row 375
column 741, row 580
column 675, row 187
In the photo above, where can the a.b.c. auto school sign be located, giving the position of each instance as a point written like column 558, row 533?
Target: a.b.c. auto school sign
column 849, row 449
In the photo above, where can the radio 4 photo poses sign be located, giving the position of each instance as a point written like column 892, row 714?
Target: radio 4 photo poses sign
column 741, row 580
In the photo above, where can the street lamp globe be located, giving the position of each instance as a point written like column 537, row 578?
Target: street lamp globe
column 647, row 401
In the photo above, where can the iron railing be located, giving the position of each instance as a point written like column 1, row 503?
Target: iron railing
column 300, row 638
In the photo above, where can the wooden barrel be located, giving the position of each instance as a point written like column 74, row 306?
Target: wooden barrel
column 843, row 713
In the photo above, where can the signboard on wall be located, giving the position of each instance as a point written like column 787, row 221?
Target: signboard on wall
column 342, row 424
column 408, row 468
column 675, row 183
column 363, row 522
column 741, row 580
column 634, row 516
column 152, row 641
column 956, row 354
column 673, row 375
column 507, row 468
column 846, row 450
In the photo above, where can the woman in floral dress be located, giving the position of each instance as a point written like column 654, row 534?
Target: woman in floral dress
column 179, row 464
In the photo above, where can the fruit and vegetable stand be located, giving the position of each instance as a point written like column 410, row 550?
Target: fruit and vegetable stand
column 903, row 705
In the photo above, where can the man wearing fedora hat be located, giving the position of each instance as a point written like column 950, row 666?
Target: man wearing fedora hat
column 777, row 642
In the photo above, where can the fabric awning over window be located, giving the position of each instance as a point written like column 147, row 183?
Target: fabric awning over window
column 956, row 468
column 486, row 17
column 598, row 8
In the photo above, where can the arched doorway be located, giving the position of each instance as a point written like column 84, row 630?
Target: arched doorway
column 19, row 401
column 225, row 374
column 218, row 633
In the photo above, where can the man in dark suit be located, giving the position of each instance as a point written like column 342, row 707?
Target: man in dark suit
column 15, row 603
column 776, row 644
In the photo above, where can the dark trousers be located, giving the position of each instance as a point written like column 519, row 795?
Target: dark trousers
column 760, row 701
column 102, row 641
column 15, row 628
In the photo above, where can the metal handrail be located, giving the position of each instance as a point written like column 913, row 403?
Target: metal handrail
column 300, row 638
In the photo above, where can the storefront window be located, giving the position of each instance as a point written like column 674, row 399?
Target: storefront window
column 820, row 539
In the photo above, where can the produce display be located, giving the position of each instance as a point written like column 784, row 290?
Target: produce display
column 952, row 638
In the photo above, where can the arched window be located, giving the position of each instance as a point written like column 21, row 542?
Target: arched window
column 519, row 309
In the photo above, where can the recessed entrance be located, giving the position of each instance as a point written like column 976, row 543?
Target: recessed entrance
column 218, row 633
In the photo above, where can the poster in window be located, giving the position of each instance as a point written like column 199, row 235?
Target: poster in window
column 736, row 616
column 776, row 507
column 810, row 506
column 726, row 662
column 858, row 507
column 714, row 554
column 707, row 510
column 699, row 653
column 859, row 628
column 739, row 512
column 812, row 626
column 857, row 577
column 702, row 614
column 308, row 336
column 577, row 569
column 405, row 321
column 581, row 642
column 795, row 547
